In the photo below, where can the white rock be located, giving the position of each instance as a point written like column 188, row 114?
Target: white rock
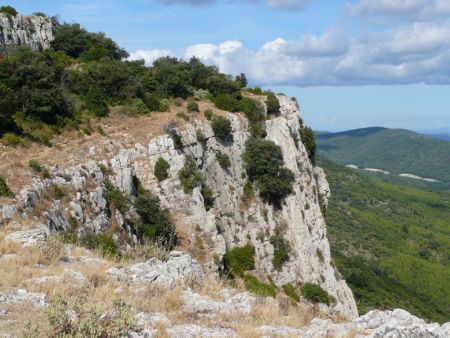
column 150, row 320
column 195, row 331
column 29, row 237
column 18, row 296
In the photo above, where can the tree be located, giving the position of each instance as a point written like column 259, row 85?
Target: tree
column 221, row 127
column 273, row 105
column 241, row 79
column 309, row 141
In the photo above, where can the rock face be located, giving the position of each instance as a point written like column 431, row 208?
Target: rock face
column 35, row 31
column 230, row 223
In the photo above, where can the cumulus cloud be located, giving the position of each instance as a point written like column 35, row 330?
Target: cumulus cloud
column 149, row 56
column 417, row 53
column 279, row 4
column 407, row 9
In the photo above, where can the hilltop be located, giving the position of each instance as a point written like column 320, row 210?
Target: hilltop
column 396, row 151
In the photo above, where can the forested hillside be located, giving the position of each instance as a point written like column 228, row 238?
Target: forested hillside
column 390, row 242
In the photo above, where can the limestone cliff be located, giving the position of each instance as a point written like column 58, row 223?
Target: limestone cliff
column 35, row 31
column 230, row 222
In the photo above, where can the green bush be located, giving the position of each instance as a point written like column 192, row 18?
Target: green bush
column 177, row 141
column 5, row 191
column 254, row 111
column 208, row 198
column 308, row 139
column 105, row 169
column 273, row 105
column 248, row 192
column 221, row 127
column 96, row 103
column 138, row 107
column 156, row 223
column 100, row 241
column 315, row 293
column 190, row 177
column 226, row 102
column 263, row 161
column 208, row 114
column 11, row 139
column 192, row 106
column 201, row 138
column 164, row 105
column 38, row 168
column 223, row 159
column 239, row 259
column 152, row 102
column 259, row 288
column 290, row 291
column 8, row 10
column 281, row 250
column 162, row 169
column 116, row 198
column 183, row 116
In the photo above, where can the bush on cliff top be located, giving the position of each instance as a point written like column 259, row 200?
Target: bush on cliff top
column 239, row 259
column 315, row 293
column 8, row 10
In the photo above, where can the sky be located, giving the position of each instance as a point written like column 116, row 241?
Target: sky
column 350, row 63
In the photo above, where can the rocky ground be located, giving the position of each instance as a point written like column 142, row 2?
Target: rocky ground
column 170, row 296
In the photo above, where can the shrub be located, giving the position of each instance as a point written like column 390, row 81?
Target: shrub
column 259, row 288
column 226, row 102
column 177, row 141
column 138, row 107
column 152, row 102
column 102, row 242
column 290, row 291
column 164, row 105
column 105, row 169
column 8, row 10
column 156, row 224
column 239, row 259
column 273, row 105
column 221, row 127
column 189, row 175
column 223, row 159
column 162, row 169
column 263, row 161
column 116, row 198
column 309, row 141
column 192, row 106
column 254, row 111
column 281, row 250
column 208, row 198
column 58, row 193
column 315, row 293
column 201, row 138
column 248, row 192
column 208, row 114
column 5, row 191
column 39, row 169
column 96, row 103
column 183, row 116
column 11, row 139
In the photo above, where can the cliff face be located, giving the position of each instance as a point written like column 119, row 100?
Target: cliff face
column 231, row 222
column 34, row 31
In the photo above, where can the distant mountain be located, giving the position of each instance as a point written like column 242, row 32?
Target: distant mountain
column 391, row 242
column 396, row 151
column 439, row 136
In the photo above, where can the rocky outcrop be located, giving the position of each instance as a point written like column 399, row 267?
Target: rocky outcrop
column 230, row 223
column 178, row 267
column 35, row 31
column 19, row 296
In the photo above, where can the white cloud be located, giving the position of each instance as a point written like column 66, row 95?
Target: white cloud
column 406, row 9
column 149, row 56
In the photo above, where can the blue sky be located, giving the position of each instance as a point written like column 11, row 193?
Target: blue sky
column 351, row 64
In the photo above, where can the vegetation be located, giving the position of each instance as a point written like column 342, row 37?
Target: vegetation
column 273, row 105
column 8, row 10
column 208, row 198
column 290, row 291
column 395, row 150
column 239, row 259
column 221, row 127
column 254, row 111
column 116, row 198
column 201, row 138
column 100, row 241
column 192, row 106
column 177, row 141
column 5, row 191
column 281, row 249
column 190, row 176
column 156, row 223
column 390, row 242
column 223, row 159
column 208, row 114
column 162, row 169
column 259, row 288
column 263, row 161
column 315, row 293
column 309, row 141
